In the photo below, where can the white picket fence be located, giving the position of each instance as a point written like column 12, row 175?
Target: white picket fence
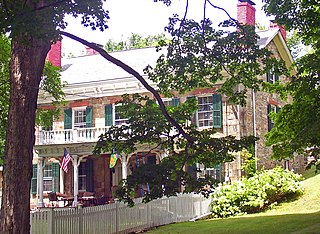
column 118, row 217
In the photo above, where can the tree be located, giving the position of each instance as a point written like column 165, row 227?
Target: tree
column 50, row 83
column 33, row 27
column 135, row 41
column 297, row 125
column 197, row 56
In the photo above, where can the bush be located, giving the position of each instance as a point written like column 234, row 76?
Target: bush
column 254, row 194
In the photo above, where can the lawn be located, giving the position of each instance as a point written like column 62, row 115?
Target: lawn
column 299, row 216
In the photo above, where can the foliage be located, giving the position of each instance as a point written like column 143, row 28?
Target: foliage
column 249, row 162
column 254, row 194
column 198, row 56
column 4, row 88
column 297, row 125
column 135, row 41
column 51, row 84
column 152, row 132
column 201, row 56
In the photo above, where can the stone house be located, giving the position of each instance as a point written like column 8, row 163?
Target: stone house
column 94, row 86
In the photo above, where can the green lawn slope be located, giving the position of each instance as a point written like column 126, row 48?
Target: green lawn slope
column 299, row 216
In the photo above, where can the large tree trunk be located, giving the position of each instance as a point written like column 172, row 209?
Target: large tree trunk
column 26, row 66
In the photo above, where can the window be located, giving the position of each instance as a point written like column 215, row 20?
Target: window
column 47, row 178
column 118, row 119
column 78, row 118
column 85, row 176
column 209, row 112
column 51, row 173
column 113, row 116
column 271, row 108
column 214, row 173
column 82, row 177
column 171, row 102
column 272, row 77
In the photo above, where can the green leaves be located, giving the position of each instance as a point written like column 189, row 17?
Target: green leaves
column 148, row 131
column 255, row 194
column 201, row 56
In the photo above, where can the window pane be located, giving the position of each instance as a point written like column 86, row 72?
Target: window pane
column 80, row 118
column 119, row 120
column 47, row 184
column 205, row 111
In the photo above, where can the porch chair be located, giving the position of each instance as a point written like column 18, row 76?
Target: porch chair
column 53, row 198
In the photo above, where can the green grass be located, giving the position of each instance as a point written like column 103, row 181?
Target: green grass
column 299, row 216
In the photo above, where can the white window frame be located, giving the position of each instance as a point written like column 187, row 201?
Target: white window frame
column 74, row 110
column 47, row 178
column 207, row 111
column 123, row 121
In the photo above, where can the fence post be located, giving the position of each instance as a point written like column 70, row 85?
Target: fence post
column 200, row 204
column 51, row 221
column 117, row 217
column 80, row 220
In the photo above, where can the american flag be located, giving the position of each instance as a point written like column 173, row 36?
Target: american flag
column 65, row 161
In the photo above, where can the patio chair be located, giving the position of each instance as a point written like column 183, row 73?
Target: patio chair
column 53, row 199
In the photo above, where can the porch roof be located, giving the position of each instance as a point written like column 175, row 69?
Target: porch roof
column 57, row 150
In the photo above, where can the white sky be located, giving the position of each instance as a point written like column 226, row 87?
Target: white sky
column 148, row 18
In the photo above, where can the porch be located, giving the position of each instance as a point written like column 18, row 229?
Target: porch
column 86, row 173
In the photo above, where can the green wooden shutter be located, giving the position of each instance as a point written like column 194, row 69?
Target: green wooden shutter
column 175, row 101
column 89, row 176
column 108, row 115
column 270, row 124
column 194, row 120
column 217, row 110
column 88, row 117
column 68, row 118
column 55, row 177
column 34, row 179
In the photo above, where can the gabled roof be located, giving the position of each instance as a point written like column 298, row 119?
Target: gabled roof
column 93, row 76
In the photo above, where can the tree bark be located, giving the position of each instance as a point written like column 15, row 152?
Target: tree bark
column 27, row 61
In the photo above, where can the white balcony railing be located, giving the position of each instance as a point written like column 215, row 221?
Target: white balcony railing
column 77, row 135
column 70, row 136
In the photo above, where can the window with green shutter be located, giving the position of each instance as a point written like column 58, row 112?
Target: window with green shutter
column 108, row 115
column 175, row 101
column 68, row 118
column 217, row 110
column 55, row 177
column 34, row 179
column 88, row 117
column 271, row 108
column 272, row 78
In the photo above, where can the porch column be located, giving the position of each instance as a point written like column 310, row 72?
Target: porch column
column 41, row 164
column 75, row 162
column 124, row 166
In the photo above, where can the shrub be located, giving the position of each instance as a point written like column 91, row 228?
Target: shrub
column 254, row 194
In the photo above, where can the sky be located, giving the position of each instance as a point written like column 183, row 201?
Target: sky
column 146, row 17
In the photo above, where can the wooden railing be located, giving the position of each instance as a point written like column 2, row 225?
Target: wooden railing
column 118, row 217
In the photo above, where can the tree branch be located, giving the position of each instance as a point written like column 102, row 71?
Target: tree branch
column 220, row 8
column 133, row 72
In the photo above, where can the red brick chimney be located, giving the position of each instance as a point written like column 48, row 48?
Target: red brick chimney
column 281, row 28
column 54, row 54
column 246, row 13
